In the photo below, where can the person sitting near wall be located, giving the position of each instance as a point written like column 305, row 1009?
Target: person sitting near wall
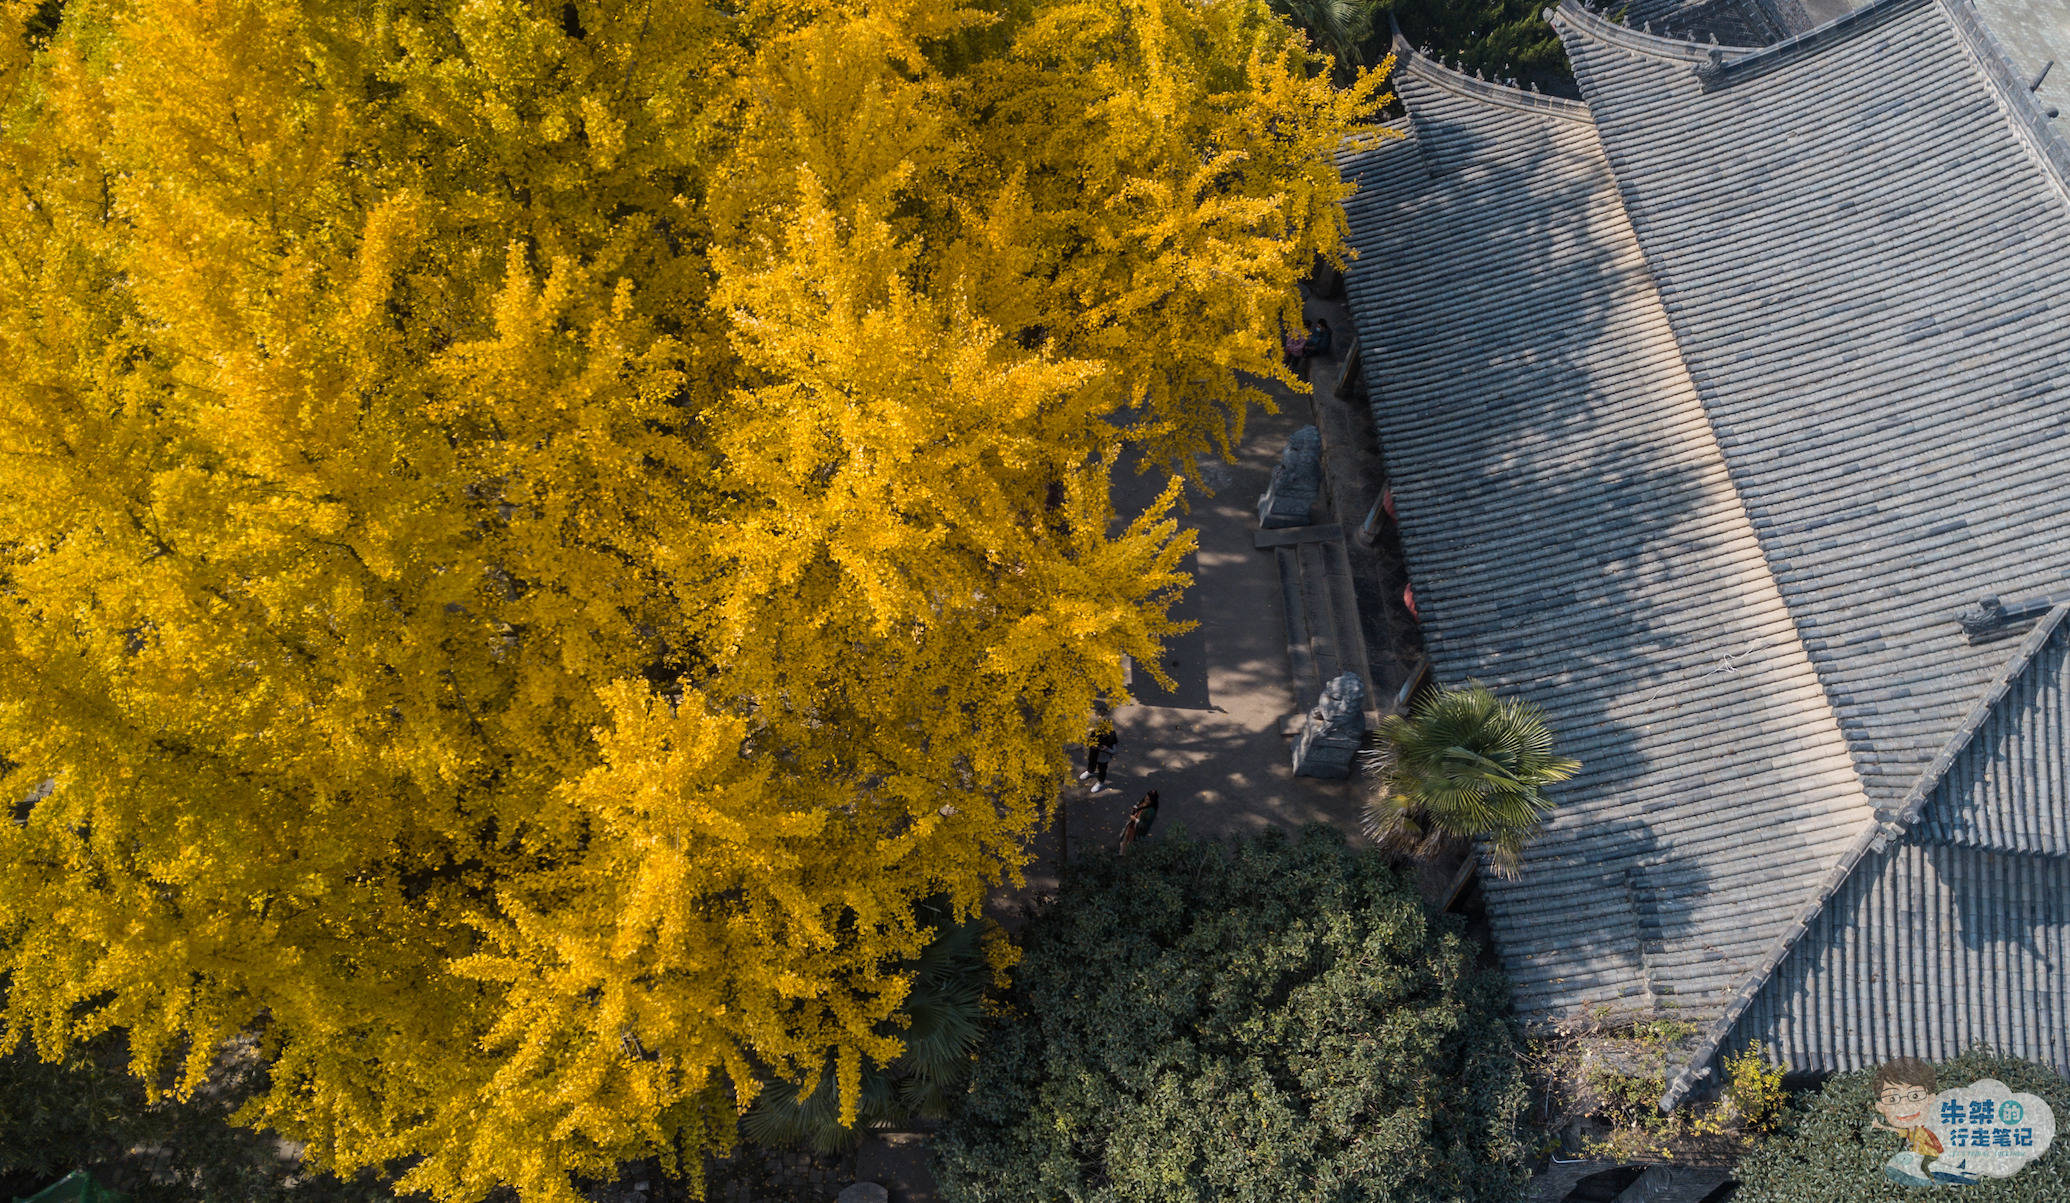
column 1318, row 340
column 1294, row 350
column 1315, row 345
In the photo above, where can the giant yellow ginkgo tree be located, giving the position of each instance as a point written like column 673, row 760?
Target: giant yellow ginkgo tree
column 531, row 534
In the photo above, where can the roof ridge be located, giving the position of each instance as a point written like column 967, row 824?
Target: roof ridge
column 1906, row 810
column 2022, row 106
column 1713, row 67
column 1715, row 70
column 1719, row 72
column 1408, row 59
column 1600, row 27
column 1884, row 826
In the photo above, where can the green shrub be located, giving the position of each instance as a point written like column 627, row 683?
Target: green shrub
column 55, row 1118
column 1265, row 1020
column 938, row 1025
column 1827, row 1152
column 87, row 1112
column 1498, row 37
column 1506, row 39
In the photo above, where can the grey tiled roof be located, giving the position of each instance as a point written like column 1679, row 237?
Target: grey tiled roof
column 1927, row 950
column 1708, row 404
column 2008, row 788
column 1871, row 286
column 1960, row 932
column 1963, row 788
column 1574, row 538
column 2034, row 34
column 1868, row 286
column 1731, row 22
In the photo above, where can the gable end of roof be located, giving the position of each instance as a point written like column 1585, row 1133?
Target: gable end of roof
column 1721, row 72
column 2014, row 95
column 1718, row 67
column 1907, row 810
column 1888, row 825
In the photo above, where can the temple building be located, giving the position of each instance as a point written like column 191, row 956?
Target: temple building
column 1726, row 412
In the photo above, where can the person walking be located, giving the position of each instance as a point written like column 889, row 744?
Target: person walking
column 1099, row 750
column 1141, row 818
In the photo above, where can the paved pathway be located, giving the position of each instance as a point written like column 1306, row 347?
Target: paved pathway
column 1214, row 747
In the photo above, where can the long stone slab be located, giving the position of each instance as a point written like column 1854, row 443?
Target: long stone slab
column 1287, row 536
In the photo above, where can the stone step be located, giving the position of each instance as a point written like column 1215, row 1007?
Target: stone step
column 1288, row 535
column 1323, row 637
column 1351, row 640
column 1320, row 605
column 1300, row 651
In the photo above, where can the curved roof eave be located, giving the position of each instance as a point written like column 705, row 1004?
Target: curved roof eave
column 1410, row 61
column 1581, row 19
column 1722, row 66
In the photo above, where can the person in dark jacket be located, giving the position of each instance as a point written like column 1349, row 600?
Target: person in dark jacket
column 1141, row 818
column 1099, row 750
column 1318, row 340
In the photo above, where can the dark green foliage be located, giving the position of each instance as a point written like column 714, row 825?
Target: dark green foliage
column 42, row 22
column 1269, row 1020
column 1352, row 32
column 1828, row 1152
column 1464, row 764
column 55, row 1118
column 89, row 1113
column 76, row 1187
column 944, row 1008
column 1500, row 39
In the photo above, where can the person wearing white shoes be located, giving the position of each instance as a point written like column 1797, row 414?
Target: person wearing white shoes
column 1099, row 750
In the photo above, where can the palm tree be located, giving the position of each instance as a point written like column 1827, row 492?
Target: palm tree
column 943, row 1008
column 1341, row 29
column 1465, row 763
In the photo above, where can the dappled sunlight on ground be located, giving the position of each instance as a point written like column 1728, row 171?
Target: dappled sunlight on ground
column 1215, row 748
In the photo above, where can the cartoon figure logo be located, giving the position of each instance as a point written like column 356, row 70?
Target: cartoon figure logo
column 1983, row 1130
column 1904, row 1098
